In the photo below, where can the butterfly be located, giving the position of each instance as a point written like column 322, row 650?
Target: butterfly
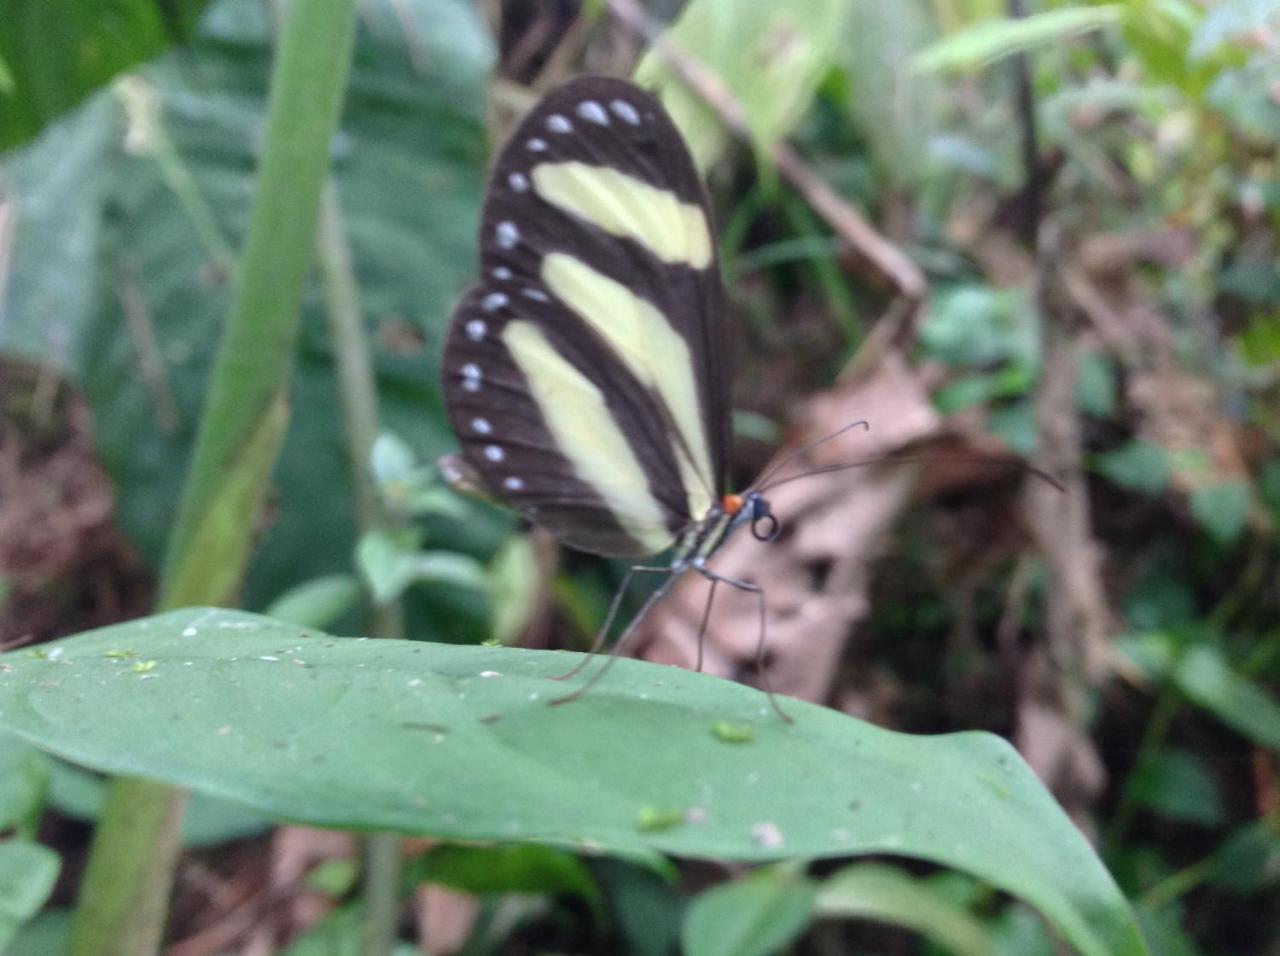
column 586, row 375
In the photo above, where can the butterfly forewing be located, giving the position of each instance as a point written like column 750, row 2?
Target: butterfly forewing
column 585, row 374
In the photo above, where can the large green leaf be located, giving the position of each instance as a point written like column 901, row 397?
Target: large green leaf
column 53, row 53
column 125, row 216
column 459, row 742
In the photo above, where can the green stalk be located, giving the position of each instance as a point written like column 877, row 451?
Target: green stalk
column 124, row 895
column 358, row 397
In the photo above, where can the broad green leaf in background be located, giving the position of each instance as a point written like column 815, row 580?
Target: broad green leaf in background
column 896, row 108
column 1176, row 784
column 319, row 602
column 390, row 561
column 886, row 894
column 27, row 872
column 756, row 916
column 1202, row 673
column 458, row 742
column 116, row 281
column 984, row 43
column 54, row 53
column 772, row 56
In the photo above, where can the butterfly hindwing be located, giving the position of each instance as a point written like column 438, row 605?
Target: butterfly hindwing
column 585, row 375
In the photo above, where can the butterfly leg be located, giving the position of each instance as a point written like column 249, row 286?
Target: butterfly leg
column 758, row 591
column 624, row 638
column 706, row 616
column 603, row 634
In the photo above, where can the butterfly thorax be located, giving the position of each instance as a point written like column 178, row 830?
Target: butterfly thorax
column 706, row 537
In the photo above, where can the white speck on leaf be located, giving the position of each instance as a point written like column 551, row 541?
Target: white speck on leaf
column 490, row 674
column 189, row 632
column 766, row 834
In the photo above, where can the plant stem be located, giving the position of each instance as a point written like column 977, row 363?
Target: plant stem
column 358, row 397
column 126, row 886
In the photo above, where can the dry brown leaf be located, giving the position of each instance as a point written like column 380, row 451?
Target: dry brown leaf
column 816, row 574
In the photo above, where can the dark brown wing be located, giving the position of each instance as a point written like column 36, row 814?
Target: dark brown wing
column 585, row 375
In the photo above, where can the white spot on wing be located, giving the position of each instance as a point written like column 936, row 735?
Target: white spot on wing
column 513, row 483
column 537, row 145
column 494, row 301
column 502, row 273
column 494, row 453
column 537, row 295
column 625, row 112
column 476, row 328
column 593, row 111
column 559, row 124
column 471, row 377
column 482, row 426
column 507, row 234
column 518, row 182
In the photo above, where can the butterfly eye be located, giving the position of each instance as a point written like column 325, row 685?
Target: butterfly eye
column 764, row 526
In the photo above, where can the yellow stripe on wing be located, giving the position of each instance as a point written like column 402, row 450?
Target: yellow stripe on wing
column 654, row 352
column 627, row 207
column 587, row 435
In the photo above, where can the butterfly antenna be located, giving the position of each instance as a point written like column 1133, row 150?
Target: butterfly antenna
column 762, row 481
column 921, row 459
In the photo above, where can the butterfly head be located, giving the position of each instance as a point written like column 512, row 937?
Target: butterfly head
column 752, row 507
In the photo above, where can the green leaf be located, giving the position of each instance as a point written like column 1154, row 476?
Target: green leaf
column 56, row 52
column 1249, row 860
column 1222, row 510
column 752, row 917
column 897, row 110
column 390, row 561
column 1017, row 932
column 1203, row 674
column 1166, row 928
column 27, row 874
column 648, row 907
column 1096, row 385
column 47, row 934
column 1176, row 784
column 1015, row 425
column 770, row 55
column 1260, row 342
column 984, row 43
column 517, row 868
column 318, row 602
column 1138, row 465
column 24, row 775
column 887, row 895
column 458, row 742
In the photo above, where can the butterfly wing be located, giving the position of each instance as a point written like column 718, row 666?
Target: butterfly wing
column 585, row 376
